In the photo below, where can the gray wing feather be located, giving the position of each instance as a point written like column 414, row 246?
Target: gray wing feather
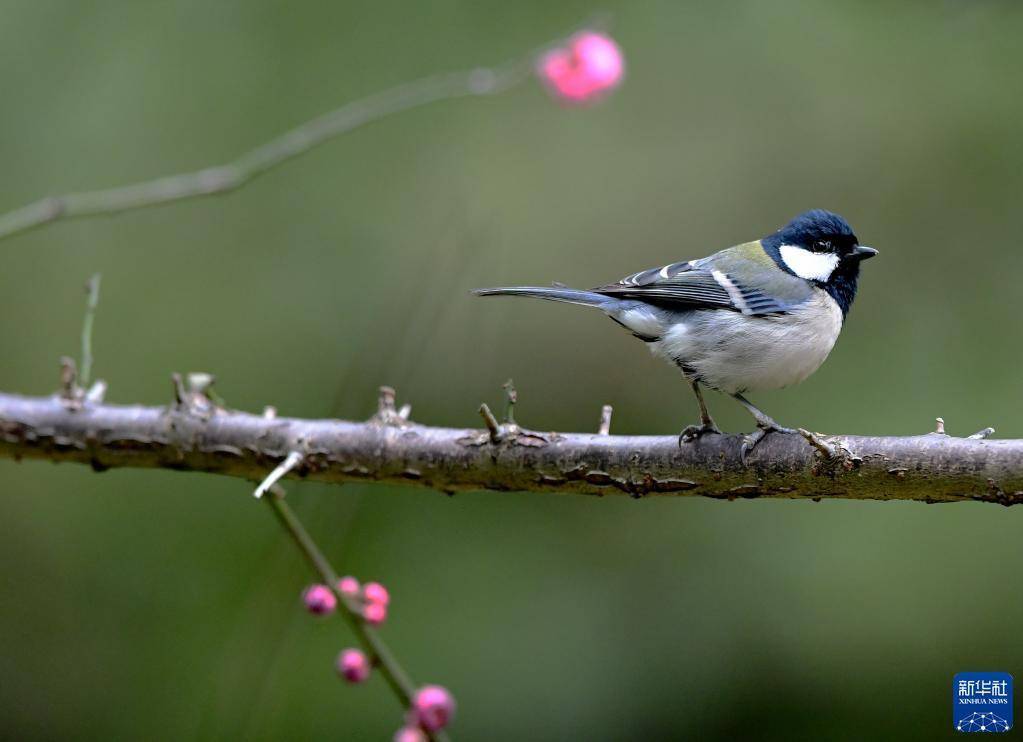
column 678, row 283
column 693, row 285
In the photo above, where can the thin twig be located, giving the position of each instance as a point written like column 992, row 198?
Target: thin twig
column 232, row 176
column 292, row 460
column 91, row 302
column 380, row 655
column 605, row 420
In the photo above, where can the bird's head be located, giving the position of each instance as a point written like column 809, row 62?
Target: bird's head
column 817, row 246
column 820, row 247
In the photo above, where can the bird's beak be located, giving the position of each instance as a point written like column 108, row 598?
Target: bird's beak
column 862, row 252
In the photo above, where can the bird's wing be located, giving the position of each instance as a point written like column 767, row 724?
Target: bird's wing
column 677, row 283
column 738, row 279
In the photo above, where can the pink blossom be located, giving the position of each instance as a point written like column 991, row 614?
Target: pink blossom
column 434, row 707
column 591, row 65
column 374, row 613
column 319, row 600
column 352, row 665
column 374, row 592
column 410, row 734
column 348, row 586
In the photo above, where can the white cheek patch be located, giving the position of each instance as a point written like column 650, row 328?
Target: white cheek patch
column 810, row 266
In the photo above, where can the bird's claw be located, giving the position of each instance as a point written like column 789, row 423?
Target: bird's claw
column 750, row 441
column 693, row 432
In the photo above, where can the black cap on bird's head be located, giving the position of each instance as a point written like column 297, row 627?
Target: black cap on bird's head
column 820, row 246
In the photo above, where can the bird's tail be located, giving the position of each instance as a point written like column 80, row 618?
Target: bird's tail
column 557, row 293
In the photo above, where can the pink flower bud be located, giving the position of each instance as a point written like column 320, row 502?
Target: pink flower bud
column 601, row 58
column 374, row 592
column 352, row 665
column 319, row 600
column 348, row 586
column 591, row 65
column 434, row 707
column 410, row 734
column 374, row 613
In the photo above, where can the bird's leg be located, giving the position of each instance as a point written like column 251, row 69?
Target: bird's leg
column 705, row 419
column 692, row 432
column 764, row 421
column 764, row 426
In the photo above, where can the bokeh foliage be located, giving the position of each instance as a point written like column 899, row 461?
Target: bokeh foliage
column 159, row 605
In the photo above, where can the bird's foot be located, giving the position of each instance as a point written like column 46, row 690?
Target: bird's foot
column 750, row 441
column 693, row 432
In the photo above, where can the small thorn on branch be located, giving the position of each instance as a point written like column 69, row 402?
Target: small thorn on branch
column 194, row 393
column 270, row 412
column 827, row 450
column 180, row 395
column 68, row 378
column 96, row 392
column 939, row 428
column 292, row 460
column 511, row 397
column 605, row 420
column 385, row 401
column 200, row 386
column 200, row 382
column 386, row 413
column 981, row 434
column 200, row 389
column 491, row 423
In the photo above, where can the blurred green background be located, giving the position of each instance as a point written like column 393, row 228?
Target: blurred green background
column 164, row 606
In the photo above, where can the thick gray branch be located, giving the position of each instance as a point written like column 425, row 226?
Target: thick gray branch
column 930, row 468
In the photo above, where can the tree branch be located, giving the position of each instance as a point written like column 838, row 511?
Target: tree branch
column 194, row 434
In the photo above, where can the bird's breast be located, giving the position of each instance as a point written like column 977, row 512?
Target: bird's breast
column 735, row 352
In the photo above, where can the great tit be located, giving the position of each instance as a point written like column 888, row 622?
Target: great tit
column 760, row 315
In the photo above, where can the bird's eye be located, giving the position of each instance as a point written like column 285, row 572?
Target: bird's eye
column 822, row 246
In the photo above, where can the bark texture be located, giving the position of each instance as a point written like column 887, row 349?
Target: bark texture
column 193, row 434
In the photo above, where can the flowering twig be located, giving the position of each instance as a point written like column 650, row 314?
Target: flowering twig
column 380, row 656
column 479, row 81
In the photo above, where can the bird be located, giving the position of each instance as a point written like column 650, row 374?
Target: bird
column 759, row 315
